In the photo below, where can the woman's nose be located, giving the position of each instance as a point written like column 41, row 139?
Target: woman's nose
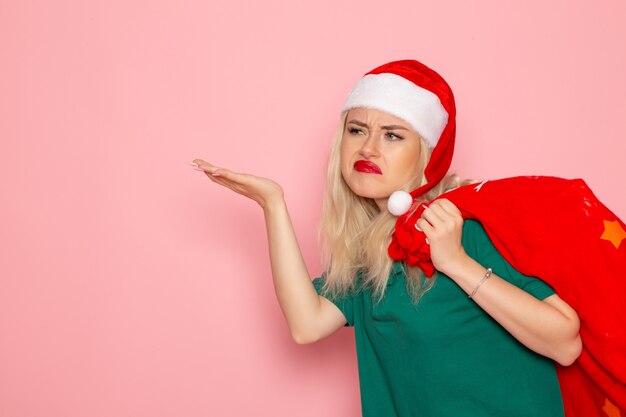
column 370, row 147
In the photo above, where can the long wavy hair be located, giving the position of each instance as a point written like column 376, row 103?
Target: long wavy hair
column 355, row 234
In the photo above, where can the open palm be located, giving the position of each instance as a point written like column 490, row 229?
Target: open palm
column 262, row 190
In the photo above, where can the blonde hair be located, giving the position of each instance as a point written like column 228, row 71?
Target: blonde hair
column 355, row 234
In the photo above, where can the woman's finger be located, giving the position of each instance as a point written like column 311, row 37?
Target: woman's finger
column 434, row 215
column 226, row 178
column 231, row 185
column 230, row 175
column 424, row 226
column 449, row 207
column 445, row 213
column 216, row 172
column 202, row 164
column 205, row 166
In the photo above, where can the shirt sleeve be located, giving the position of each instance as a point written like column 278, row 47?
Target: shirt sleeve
column 345, row 304
column 478, row 246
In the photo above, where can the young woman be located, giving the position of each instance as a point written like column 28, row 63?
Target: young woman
column 479, row 338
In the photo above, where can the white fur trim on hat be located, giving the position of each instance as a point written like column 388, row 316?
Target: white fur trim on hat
column 402, row 98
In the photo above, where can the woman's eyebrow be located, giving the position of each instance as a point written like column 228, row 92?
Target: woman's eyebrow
column 358, row 123
column 394, row 127
column 390, row 127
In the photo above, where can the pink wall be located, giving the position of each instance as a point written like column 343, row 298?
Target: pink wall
column 130, row 285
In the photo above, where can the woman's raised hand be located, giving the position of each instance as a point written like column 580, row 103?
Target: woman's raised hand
column 262, row 190
column 308, row 315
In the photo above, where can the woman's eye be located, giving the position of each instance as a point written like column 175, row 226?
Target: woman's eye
column 393, row 136
column 355, row 131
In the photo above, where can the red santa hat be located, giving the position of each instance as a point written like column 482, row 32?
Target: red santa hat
column 415, row 93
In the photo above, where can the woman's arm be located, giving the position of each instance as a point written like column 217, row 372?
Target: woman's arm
column 309, row 316
column 549, row 327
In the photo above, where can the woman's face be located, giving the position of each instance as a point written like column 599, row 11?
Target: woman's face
column 380, row 154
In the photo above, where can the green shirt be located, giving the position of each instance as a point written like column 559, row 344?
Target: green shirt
column 446, row 357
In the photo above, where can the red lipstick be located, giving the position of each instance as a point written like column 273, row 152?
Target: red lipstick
column 367, row 167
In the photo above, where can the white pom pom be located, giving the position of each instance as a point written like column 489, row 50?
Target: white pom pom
column 399, row 202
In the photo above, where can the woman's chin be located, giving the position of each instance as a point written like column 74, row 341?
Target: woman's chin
column 367, row 187
column 366, row 192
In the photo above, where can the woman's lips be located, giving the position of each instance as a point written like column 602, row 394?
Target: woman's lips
column 367, row 167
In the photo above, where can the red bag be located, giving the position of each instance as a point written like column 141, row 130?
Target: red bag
column 557, row 230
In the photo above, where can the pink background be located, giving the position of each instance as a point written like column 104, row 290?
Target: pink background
column 130, row 285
